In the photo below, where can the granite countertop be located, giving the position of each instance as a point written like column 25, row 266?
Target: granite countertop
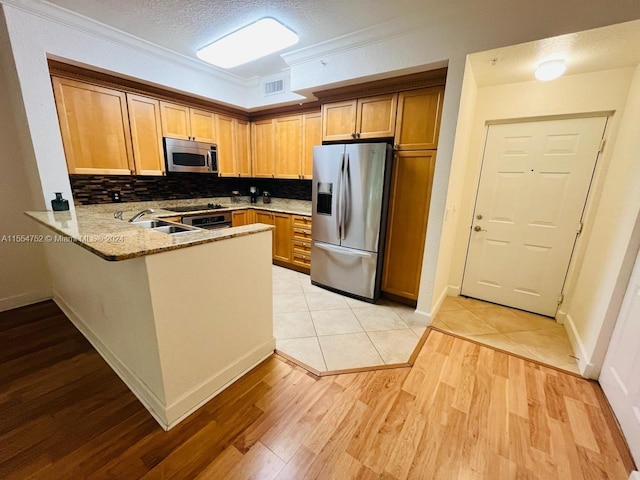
column 94, row 227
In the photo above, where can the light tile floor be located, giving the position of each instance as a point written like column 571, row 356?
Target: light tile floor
column 327, row 331
column 523, row 333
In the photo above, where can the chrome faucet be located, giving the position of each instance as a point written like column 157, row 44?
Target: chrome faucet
column 140, row 214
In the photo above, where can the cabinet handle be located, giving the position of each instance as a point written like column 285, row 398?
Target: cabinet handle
column 353, row 135
column 358, row 135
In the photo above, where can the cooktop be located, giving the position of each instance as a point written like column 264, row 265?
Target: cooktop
column 194, row 208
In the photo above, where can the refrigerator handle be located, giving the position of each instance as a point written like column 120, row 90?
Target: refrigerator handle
column 346, row 193
column 339, row 199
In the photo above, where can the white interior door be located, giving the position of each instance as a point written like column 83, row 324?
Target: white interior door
column 620, row 377
column 533, row 187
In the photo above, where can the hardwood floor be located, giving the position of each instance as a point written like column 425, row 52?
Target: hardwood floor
column 463, row 411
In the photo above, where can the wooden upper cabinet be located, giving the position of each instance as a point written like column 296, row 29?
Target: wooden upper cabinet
column 339, row 120
column 376, row 116
column 371, row 117
column 146, row 134
column 243, row 149
column 187, row 123
column 419, row 113
column 411, row 182
column 288, row 142
column 176, row 121
column 226, row 149
column 263, row 151
column 311, row 136
column 95, row 128
column 203, row 126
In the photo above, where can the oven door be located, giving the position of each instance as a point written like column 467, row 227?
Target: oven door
column 189, row 156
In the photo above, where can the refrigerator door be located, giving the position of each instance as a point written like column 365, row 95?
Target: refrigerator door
column 344, row 269
column 325, row 192
column 363, row 193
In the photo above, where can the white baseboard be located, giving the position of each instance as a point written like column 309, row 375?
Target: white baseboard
column 17, row 301
column 586, row 368
column 198, row 396
column 148, row 399
column 635, row 475
column 561, row 317
column 453, row 290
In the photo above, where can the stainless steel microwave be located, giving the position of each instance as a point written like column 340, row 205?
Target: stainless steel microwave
column 190, row 156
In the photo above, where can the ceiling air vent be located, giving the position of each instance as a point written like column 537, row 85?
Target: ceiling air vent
column 273, row 87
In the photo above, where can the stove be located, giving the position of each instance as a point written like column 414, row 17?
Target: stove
column 193, row 208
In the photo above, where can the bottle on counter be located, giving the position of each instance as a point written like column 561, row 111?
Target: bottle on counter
column 59, row 204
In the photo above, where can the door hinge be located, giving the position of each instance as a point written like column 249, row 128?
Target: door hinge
column 580, row 227
column 561, row 298
column 602, row 144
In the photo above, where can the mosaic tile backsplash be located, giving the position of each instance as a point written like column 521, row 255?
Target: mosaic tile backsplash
column 92, row 189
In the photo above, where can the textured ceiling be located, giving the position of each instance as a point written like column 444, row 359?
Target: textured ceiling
column 603, row 48
column 186, row 25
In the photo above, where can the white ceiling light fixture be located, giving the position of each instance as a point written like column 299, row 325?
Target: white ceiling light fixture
column 254, row 41
column 550, row 70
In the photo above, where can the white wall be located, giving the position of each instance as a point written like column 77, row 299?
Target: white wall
column 575, row 94
column 593, row 303
column 25, row 276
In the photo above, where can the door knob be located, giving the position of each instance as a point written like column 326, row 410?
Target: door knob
column 478, row 228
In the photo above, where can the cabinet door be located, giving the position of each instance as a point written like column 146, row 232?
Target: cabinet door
column 376, row 116
column 239, row 217
column 146, row 134
column 262, row 216
column 203, row 125
column 408, row 206
column 282, row 237
column 243, row 150
column 226, row 148
column 175, row 120
column 311, row 136
column 263, row 148
column 339, row 120
column 419, row 114
column 95, row 128
column 288, row 145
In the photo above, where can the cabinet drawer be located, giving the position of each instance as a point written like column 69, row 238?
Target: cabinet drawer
column 302, row 247
column 301, row 234
column 301, row 259
column 301, row 222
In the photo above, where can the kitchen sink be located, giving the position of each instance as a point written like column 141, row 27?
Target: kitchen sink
column 166, row 227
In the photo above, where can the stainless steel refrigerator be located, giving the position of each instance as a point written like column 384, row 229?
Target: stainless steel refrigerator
column 349, row 196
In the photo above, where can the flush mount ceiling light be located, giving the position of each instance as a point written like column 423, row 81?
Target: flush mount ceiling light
column 550, row 70
column 256, row 40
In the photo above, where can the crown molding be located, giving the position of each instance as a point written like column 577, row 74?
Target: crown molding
column 395, row 28
column 92, row 27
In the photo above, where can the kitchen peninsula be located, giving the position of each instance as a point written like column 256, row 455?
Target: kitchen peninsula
column 178, row 317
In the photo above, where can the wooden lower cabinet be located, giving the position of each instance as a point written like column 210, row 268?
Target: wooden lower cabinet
column 291, row 236
column 301, row 241
column 411, row 184
column 242, row 217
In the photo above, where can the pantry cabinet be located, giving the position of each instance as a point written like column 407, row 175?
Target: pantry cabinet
column 146, row 134
column 410, row 195
column 362, row 118
column 179, row 121
column 94, row 125
column 418, row 124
